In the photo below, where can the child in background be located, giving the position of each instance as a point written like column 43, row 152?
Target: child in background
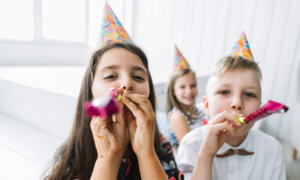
column 225, row 148
column 130, row 147
column 182, row 92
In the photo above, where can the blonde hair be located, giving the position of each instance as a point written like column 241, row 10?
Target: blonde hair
column 232, row 63
column 171, row 98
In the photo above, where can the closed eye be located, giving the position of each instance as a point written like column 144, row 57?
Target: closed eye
column 193, row 85
column 110, row 77
column 224, row 92
column 249, row 94
column 139, row 78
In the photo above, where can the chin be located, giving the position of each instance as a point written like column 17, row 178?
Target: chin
column 242, row 132
column 189, row 102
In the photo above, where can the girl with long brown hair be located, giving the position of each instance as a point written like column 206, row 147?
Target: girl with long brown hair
column 182, row 92
column 130, row 147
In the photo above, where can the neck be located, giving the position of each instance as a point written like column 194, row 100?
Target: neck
column 235, row 141
column 188, row 108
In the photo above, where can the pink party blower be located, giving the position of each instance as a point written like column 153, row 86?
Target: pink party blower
column 104, row 106
column 266, row 110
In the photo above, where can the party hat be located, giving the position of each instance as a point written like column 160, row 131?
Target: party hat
column 242, row 48
column 112, row 29
column 180, row 62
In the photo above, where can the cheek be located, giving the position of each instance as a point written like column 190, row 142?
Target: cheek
column 252, row 107
column 215, row 108
column 147, row 92
column 143, row 89
column 177, row 92
column 98, row 90
column 217, row 105
column 195, row 91
column 211, row 108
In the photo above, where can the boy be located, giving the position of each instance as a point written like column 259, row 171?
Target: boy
column 224, row 148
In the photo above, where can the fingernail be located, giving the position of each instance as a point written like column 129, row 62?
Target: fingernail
column 114, row 118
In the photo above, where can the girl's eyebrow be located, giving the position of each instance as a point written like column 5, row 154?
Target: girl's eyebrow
column 115, row 67
column 111, row 67
column 138, row 68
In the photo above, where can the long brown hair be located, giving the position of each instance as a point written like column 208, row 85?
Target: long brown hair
column 77, row 155
column 171, row 98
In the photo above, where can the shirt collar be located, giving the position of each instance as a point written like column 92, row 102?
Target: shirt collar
column 247, row 144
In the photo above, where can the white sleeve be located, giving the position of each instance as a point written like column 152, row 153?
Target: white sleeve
column 187, row 176
column 187, row 153
column 279, row 170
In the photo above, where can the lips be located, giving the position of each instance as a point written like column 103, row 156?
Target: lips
column 191, row 98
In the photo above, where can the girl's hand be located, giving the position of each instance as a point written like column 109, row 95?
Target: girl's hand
column 218, row 129
column 141, row 124
column 110, row 137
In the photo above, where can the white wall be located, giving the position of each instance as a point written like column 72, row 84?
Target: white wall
column 58, row 53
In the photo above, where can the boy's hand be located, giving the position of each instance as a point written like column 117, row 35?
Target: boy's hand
column 218, row 129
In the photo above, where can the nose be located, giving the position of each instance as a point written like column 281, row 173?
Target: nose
column 127, row 88
column 237, row 103
column 127, row 85
column 189, row 90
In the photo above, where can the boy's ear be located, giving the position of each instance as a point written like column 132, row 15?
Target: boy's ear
column 205, row 104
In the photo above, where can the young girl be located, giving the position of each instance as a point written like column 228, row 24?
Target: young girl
column 130, row 147
column 183, row 115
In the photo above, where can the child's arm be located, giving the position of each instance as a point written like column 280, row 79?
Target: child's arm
column 218, row 129
column 203, row 168
column 141, row 132
column 111, row 139
column 107, row 168
column 179, row 125
column 150, row 167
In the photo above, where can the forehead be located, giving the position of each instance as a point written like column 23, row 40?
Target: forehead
column 242, row 78
column 187, row 77
column 120, row 57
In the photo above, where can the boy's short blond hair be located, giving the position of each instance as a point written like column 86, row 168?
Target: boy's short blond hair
column 232, row 63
